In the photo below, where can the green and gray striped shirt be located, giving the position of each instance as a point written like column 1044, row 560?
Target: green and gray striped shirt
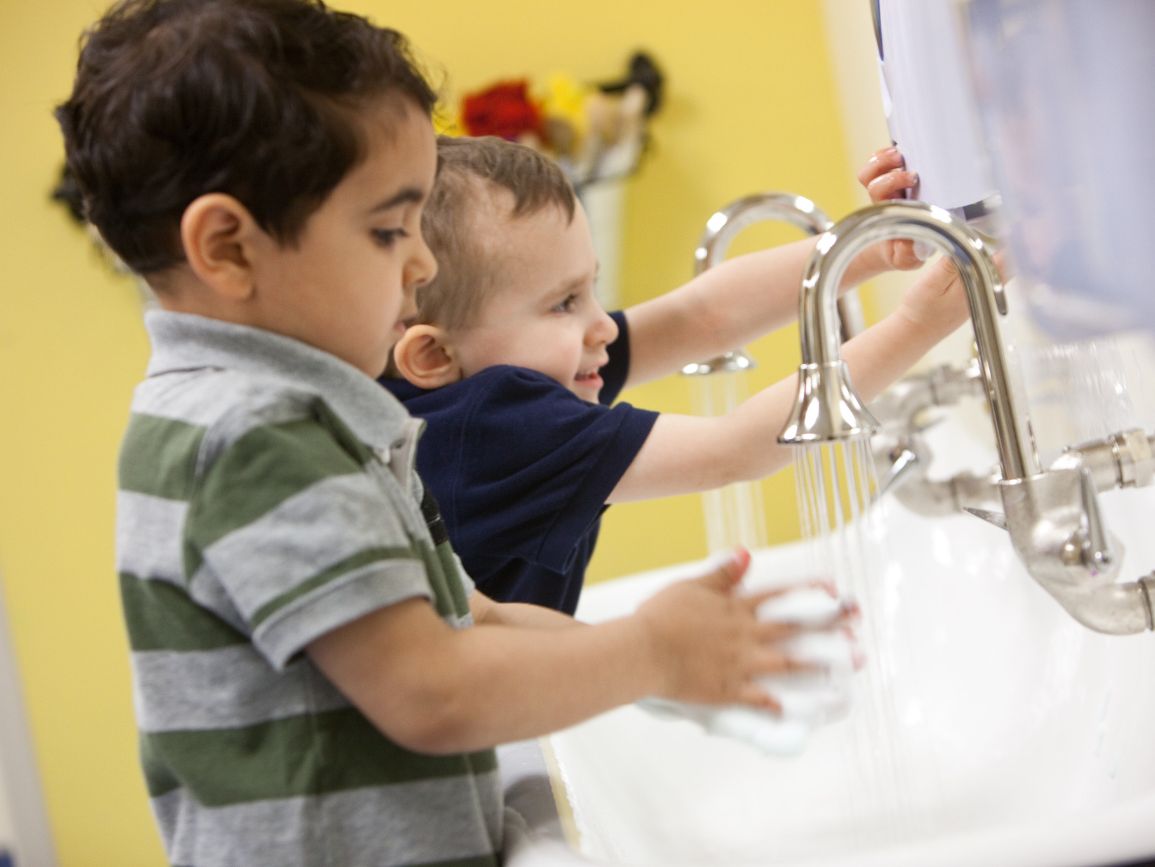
column 267, row 496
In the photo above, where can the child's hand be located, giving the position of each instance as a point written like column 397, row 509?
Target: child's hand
column 710, row 645
column 885, row 177
column 937, row 300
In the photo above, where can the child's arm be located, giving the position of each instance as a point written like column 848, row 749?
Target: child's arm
column 686, row 454
column 748, row 296
column 435, row 689
column 485, row 610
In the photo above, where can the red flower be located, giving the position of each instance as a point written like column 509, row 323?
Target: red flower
column 503, row 110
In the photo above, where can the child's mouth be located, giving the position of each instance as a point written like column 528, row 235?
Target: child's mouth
column 589, row 377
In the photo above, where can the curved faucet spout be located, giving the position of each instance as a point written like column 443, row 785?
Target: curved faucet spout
column 972, row 255
column 721, row 229
column 723, row 225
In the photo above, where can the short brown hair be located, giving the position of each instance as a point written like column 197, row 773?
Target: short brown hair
column 255, row 98
column 466, row 274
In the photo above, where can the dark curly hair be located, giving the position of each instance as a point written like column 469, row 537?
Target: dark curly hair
column 258, row 99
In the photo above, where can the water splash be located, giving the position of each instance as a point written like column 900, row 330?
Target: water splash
column 1085, row 390
column 735, row 514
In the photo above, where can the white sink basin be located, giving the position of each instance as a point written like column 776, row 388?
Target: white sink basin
column 989, row 728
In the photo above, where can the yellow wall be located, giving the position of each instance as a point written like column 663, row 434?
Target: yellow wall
column 751, row 106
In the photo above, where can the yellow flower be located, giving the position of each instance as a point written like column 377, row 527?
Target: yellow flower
column 564, row 97
column 447, row 121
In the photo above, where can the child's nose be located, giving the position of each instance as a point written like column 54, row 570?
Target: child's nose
column 602, row 330
column 421, row 267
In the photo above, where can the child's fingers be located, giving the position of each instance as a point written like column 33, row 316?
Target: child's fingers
column 850, row 609
column 726, row 574
column 828, row 654
column 768, row 631
column 754, row 695
column 774, row 660
column 891, row 185
column 814, row 602
column 880, row 162
column 810, row 606
column 905, row 255
column 755, row 600
column 1003, row 264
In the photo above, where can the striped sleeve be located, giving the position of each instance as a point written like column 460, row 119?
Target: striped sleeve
column 288, row 517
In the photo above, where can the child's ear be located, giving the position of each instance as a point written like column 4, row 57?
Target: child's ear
column 425, row 358
column 217, row 233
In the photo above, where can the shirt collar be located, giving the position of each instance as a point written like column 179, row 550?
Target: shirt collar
column 185, row 341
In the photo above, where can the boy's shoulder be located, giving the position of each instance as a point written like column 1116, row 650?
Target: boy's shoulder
column 216, row 419
column 226, row 380
column 181, row 424
column 226, row 403
column 209, row 395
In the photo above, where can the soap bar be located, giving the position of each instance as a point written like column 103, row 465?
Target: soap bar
column 776, row 736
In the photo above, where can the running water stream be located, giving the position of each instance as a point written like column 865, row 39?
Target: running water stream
column 735, row 515
column 843, row 526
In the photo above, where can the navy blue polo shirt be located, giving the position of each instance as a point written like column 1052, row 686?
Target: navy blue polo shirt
column 522, row 467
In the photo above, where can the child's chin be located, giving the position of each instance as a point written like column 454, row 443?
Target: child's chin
column 588, row 390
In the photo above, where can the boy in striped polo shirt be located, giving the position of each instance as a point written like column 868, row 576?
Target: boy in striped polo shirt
column 316, row 682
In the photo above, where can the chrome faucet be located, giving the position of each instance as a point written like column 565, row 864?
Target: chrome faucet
column 1052, row 516
column 721, row 229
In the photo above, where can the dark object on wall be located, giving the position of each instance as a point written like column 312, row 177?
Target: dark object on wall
column 643, row 71
column 67, row 192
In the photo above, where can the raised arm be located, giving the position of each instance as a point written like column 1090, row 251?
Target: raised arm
column 748, row 296
column 719, row 310
column 687, row 454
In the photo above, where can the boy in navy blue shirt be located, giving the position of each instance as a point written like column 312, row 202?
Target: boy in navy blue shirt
column 515, row 367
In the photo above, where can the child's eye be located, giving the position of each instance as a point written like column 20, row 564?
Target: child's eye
column 388, row 237
column 567, row 305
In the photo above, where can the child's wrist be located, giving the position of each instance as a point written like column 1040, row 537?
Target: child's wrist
column 651, row 653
